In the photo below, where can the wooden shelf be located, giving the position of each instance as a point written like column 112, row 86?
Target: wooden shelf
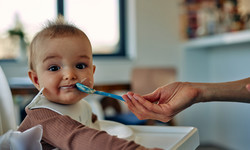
column 224, row 39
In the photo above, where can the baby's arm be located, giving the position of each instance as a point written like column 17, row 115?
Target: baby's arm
column 65, row 133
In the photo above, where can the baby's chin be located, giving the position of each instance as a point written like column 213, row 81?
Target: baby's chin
column 67, row 100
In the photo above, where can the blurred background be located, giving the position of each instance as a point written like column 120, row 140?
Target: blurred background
column 140, row 45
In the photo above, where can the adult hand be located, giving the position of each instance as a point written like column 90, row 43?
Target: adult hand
column 164, row 103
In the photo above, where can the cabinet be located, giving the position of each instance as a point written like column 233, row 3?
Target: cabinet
column 210, row 17
column 218, row 58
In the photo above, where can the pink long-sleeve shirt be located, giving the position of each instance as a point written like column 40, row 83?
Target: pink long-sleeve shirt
column 60, row 131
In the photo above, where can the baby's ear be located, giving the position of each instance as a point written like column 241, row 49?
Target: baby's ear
column 94, row 67
column 33, row 77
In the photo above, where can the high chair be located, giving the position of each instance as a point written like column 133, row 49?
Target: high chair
column 7, row 113
column 9, row 137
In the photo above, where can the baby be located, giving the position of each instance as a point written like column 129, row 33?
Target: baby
column 60, row 55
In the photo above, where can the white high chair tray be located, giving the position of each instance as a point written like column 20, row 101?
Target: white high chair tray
column 166, row 137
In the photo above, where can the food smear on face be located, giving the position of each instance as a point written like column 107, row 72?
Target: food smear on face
column 85, row 88
column 83, row 80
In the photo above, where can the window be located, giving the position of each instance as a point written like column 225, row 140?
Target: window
column 21, row 17
column 102, row 21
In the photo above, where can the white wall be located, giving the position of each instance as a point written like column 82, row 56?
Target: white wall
column 152, row 40
column 225, row 124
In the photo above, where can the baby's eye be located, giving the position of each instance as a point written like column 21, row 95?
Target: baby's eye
column 54, row 68
column 81, row 66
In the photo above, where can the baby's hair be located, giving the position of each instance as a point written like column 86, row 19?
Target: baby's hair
column 52, row 29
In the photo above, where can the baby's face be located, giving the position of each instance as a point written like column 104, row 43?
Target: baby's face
column 61, row 63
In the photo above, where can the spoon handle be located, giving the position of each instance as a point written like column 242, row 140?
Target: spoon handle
column 109, row 95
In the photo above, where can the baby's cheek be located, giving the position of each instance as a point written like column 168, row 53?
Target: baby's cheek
column 83, row 95
column 87, row 82
column 52, row 83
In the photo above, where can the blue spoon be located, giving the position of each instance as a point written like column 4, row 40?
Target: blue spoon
column 89, row 90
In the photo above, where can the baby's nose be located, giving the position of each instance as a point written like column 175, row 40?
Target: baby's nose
column 69, row 75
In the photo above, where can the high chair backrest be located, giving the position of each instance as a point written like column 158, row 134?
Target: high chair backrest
column 7, row 114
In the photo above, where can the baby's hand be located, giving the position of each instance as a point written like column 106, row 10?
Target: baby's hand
column 95, row 122
column 94, row 118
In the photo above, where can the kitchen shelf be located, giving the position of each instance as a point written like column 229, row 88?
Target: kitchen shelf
column 224, row 39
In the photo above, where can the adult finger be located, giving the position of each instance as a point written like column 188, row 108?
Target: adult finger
column 160, row 112
column 128, row 101
column 139, row 110
column 152, row 97
column 156, row 108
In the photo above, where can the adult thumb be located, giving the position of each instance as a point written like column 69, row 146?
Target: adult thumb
column 152, row 97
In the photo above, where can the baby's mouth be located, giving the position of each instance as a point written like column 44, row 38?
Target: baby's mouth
column 68, row 86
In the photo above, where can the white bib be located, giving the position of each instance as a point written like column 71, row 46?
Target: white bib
column 80, row 111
